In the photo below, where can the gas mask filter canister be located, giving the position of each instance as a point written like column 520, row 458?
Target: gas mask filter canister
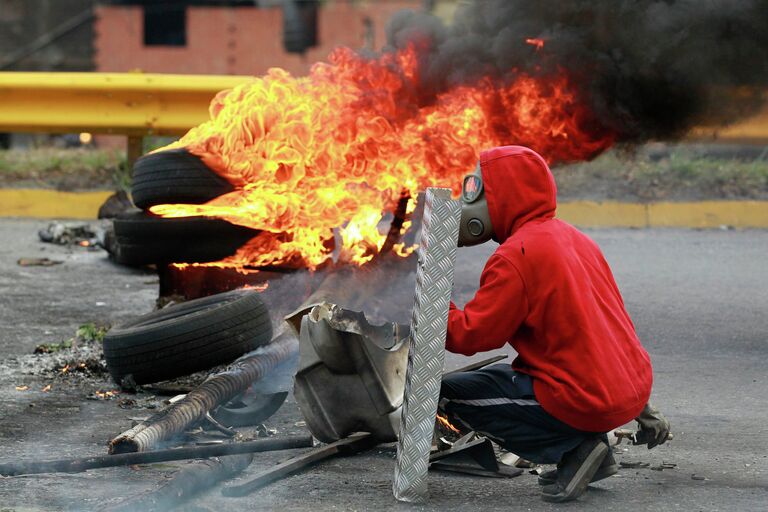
column 475, row 227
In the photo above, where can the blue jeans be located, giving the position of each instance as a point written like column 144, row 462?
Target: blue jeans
column 499, row 403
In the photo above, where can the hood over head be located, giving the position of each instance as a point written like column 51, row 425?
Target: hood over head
column 519, row 188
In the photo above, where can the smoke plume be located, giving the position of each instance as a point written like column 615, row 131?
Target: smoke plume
column 650, row 69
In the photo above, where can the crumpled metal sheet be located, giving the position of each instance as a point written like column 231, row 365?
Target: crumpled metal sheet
column 351, row 374
column 429, row 324
column 385, row 336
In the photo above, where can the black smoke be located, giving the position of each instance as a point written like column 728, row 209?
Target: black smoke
column 650, row 69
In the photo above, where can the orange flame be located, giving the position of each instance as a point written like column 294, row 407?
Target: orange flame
column 447, row 424
column 317, row 160
column 257, row 287
column 535, row 41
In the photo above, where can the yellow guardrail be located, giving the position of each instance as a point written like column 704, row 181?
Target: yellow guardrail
column 139, row 104
column 134, row 104
column 753, row 130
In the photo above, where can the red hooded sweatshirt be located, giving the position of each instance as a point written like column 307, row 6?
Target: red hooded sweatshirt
column 548, row 292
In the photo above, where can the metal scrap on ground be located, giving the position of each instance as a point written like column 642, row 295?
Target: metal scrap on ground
column 217, row 390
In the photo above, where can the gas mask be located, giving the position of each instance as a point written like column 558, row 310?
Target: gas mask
column 475, row 226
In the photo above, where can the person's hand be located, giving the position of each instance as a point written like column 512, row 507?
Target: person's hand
column 653, row 425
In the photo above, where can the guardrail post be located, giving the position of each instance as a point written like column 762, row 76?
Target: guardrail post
column 134, row 150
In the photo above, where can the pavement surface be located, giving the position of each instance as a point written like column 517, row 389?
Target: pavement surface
column 698, row 299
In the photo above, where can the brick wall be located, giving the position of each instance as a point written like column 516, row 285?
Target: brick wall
column 234, row 40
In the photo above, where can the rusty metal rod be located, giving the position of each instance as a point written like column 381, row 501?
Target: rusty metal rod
column 349, row 445
column 217, row 390
column 126, row 459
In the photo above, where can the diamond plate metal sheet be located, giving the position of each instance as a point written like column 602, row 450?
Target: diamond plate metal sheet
column 434, row 280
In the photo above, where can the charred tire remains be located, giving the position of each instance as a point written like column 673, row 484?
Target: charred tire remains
column 141, row 238
column 188, row 337
column 175, row 176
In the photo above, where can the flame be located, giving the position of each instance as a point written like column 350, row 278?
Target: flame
column 447, row 424
column 70, row 368
column 46, row 388
column 258, row 287
column 22, row 388
column 318, row 160
column 403, row 251
column 106, row 395
column 235, row 262
column 535, row 41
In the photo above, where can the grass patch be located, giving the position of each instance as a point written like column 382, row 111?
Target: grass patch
column 64, row 169
column 678, row 176
column 91, row 333
column 52, row 348
column 86, row 333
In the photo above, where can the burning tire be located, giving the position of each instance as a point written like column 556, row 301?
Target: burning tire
column 141, row 238
column 170, row 251
column 175, row 176
column 137, row 226
column 188, row 337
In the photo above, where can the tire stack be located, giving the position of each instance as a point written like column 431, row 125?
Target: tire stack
column 199, row 334
column 173, row 177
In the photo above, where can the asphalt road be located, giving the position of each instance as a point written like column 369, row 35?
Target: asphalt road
column 699, row 300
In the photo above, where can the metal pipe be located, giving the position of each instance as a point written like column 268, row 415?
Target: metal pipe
column 349, row 445
column 126, row 459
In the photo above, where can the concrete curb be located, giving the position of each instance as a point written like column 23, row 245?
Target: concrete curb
column 52, row 204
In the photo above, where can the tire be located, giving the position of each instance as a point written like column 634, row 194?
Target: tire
column 172, row 251
column 188, row 337
column 175, row 176
column 141, row 238
column 137, row 226
column 249, row 410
